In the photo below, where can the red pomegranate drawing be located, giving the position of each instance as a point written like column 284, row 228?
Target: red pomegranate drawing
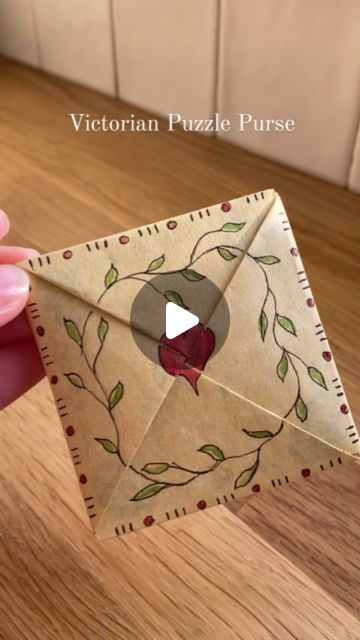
column 187, row 354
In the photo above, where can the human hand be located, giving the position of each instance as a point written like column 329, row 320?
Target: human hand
column 20, row 363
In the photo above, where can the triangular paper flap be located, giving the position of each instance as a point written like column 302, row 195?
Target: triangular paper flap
column 83, row 393
column 216, row 448
column 89, row 270
column 289, row 369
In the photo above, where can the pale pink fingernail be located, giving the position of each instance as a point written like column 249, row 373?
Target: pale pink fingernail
column 14, row 291
column 4, row 223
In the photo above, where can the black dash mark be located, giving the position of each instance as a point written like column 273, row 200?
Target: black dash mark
column 208, row 212
column 191, row 217
column 48, row 260
column 248, row 199
column 117, row 531
column 218, row 501
column 167, row 515
column 106, row 244
column 176, row 513
column 200, row 214
column 97, row 245
column 148, row 230
column 89, row 498
column 255, row 196
column 88, row 247
column 31, row 264
column 156, row 228
column 140, row 233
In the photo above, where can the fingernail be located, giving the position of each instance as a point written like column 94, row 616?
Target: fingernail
column 4, row 222
column 14, row 291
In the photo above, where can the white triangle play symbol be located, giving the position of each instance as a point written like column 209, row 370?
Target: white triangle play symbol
column 178, row 320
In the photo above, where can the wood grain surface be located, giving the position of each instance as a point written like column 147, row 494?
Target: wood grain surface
column 284, row 565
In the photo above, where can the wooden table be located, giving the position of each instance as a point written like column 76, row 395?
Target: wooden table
column 288, row 564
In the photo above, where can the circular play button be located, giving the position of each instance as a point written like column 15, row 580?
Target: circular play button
column 180, row 323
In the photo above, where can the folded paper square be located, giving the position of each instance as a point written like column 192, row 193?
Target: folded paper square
column 148, row 445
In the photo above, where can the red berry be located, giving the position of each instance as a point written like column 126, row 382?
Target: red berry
column 67, row 254
column 344, row 409
column 40, row 331
column 124, row 239
column 310, row 302
column 83, row 479
column 255, row 488
column 226, row 206
column 171, row 225
column 294, row 251
column 201, row 504
column 305, row 473
column 54, row 379
column 148, row 521
column 70, row 432
column 326, row 355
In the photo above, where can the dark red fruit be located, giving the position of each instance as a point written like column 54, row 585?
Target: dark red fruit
column 40, row 331
column 70, row 432
column 187, row 354
column 67, row 254
column 326, row 355
column 201, row 504
column 148, row 521
column 310, row 302
column 294, row 251
column 83, row 478
column 305, row 473
column 171, row 225
column 54, row 379
column 255, row 488
column 344, row 409
column 124, row 239
column 226, row 206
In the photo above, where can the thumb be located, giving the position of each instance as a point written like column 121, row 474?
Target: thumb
column 14, row 292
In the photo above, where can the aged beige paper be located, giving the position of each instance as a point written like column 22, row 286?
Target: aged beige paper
column 149, row 445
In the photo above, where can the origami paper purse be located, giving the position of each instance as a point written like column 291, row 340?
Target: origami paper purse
column 149, row 445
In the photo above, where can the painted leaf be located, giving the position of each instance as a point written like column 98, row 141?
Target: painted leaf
column 75, row 380
column 72, row 331
column 109, row 446
column 149, row 491
column 267, row 259
column 263, row 325
column 156, row 467
column 175, row 297
column 225, row 253
column 111, row 276
column 258, row 434
column 192, row 275
column 283, row 366
column 246, row 476
column 103, row 329
column 286, row 324
column 213, row 451
column 116, row 395
column 233, row 226
column 156, row 264
column 317, row 376
column 301, row 409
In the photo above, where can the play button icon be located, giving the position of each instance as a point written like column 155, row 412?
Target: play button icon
column 178, row 320
column 185, row 321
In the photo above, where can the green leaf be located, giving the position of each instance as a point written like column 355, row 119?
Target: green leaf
column 192, row 275
column 111, row 276
column 156, row 264
column 233, row 226
column 225, row 253
column 116, row 395
column 246, row 476
column 72, row 331
column 283, row 366
column 109, row 446
column 175, row 297
column 263, row 325
column 267, row 259
column 156, row 467
column 317, row 376
column 103, row 329
column 213, row 451
column 75, row 380
column 258, row 434
column 301, row 409
column 149, row 491
column 286, row 324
